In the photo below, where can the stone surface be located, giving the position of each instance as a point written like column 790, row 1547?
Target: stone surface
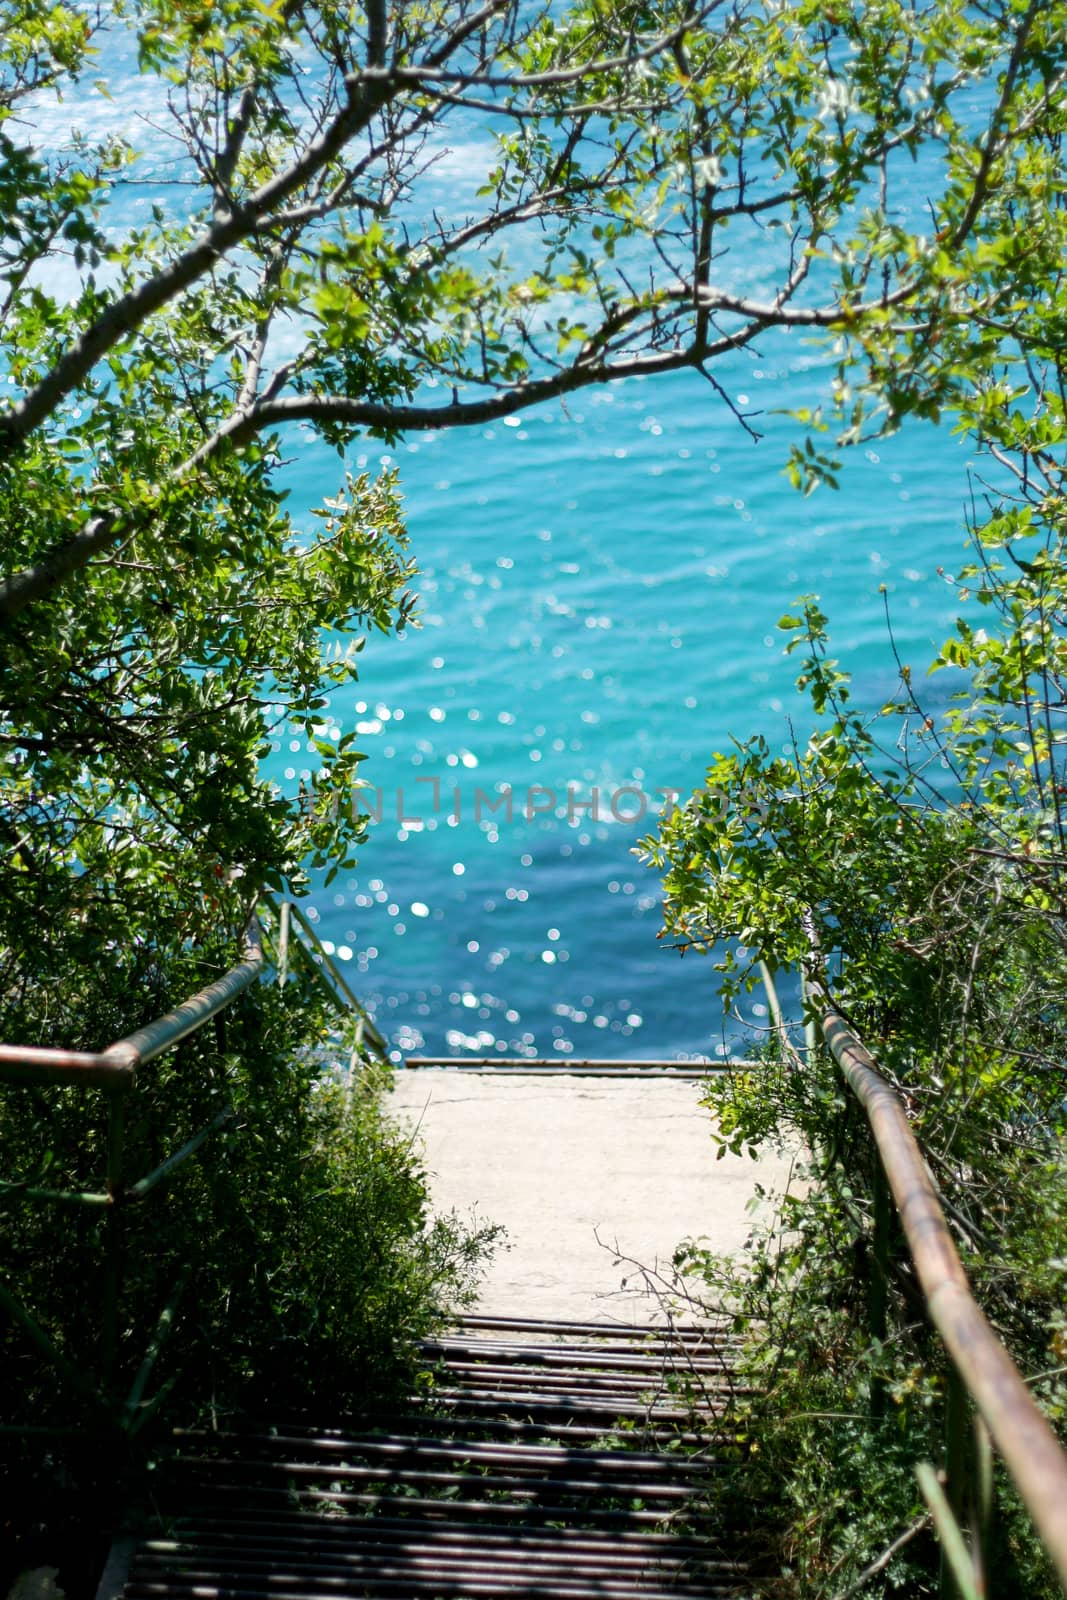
column 579, row 1171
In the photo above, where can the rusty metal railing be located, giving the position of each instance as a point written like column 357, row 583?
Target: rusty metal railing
column 116, row 1067
column 114, row 1070
column 980, row 1366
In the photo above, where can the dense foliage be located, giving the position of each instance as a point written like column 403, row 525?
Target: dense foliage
column 163, row 615
column 298, row 1239
column 922, row 847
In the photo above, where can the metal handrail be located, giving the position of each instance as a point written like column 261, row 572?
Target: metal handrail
column 1030, row 1449
column 115, row 1071
column 116, row 1067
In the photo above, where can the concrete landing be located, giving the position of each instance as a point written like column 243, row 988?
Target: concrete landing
column 579, row 1171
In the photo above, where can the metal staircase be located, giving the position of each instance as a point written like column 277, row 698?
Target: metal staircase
column 539, row 1459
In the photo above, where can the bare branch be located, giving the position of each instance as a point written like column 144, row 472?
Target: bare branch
column 991, row 146
column 368, row 94
column 226, row 163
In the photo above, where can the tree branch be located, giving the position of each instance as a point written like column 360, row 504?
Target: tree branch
column 35, row 582
column 562, row 76
column 126, row 314
column 990, row 145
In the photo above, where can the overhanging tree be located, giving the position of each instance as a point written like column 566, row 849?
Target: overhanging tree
column 159, row 612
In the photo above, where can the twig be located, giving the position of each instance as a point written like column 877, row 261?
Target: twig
column 880, row 1564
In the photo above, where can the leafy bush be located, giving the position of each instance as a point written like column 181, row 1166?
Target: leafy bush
column 925, row 856
column 924, row 850
column 304, row 1216
column 292, row 1260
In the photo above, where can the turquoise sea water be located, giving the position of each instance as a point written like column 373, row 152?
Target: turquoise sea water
column 599, row 597
column 600, row 587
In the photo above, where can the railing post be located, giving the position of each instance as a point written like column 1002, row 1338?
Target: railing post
column 878, row 1283
column 958, row 1484
column 283, row 944
column 984, row 1500
column 116, row 1134
column 811, row 1027
column 969, row 1484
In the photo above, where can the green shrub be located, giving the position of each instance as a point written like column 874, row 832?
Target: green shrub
column 292, row 1259
column 923, row 856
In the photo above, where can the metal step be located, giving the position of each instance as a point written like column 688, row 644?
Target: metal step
column 596, row 1331
column 564, row 1067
